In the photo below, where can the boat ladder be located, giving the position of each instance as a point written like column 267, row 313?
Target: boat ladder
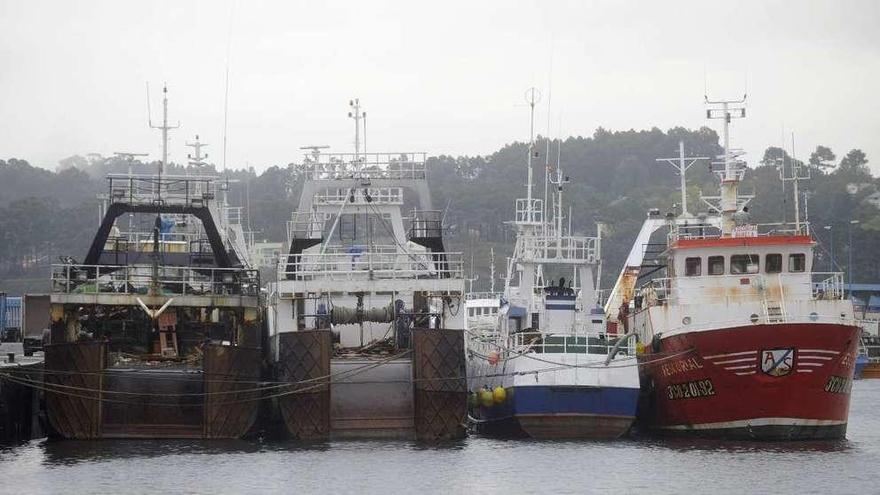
column 773, row 312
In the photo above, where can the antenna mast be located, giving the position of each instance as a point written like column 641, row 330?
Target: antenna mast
column 681, row 167
column 559, row 181
column 474, row 277
column 797, row 173
column 533, row 96
column 357, row 115
column 733, row 171
column 165, row 128
column 492, row 270
column 197, row 159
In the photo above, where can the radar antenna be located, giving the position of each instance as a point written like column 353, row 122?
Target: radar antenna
column 357, row 115
column 196, row 159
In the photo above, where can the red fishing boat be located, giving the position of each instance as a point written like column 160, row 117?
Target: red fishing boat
column 740, row 338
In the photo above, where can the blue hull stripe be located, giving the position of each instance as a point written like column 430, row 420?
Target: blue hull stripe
column 549, row 400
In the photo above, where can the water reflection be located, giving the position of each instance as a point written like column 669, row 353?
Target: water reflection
column 68, row 452
column 734, row 446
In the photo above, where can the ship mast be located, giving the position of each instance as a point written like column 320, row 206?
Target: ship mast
column 196, row 159
column 492, row 270
column 532, row 98
column 357, row 115
column 559, row 181
column 681, row 165
column 164, row 128
column 157, row 225
column 732, row 173
column 796, row 173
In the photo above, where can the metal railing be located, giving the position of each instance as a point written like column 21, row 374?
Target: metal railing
column 542, row 343
column 371, row 265
column 167, row 190
column 232, row 215
column 743, row 288
column 305, row 225
column 337, row 166
column 355, row 195
column 472, row 296
column 575, row 249
column 425, row 224
column 127, row 239
column 171, row 280
column 706, row 231
column 530, row 213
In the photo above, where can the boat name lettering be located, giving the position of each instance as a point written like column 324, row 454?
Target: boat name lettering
column 838, row 385
column 690, row 390
column 681, row 366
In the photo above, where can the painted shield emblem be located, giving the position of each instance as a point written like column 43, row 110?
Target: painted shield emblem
column 777, row 362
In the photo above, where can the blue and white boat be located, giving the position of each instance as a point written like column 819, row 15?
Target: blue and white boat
column 548, row 368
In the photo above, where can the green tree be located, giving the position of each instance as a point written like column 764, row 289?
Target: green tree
column 855, row 163
column 822, row 158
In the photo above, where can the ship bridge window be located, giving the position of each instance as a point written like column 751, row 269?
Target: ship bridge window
column 797, row 262
column 716, row 265
column 693, row 267
column 744, row 263
column 773, row 263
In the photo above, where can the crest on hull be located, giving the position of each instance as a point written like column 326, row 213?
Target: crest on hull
column 777, row 362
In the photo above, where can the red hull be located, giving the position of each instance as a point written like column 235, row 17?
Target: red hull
column 782, row 381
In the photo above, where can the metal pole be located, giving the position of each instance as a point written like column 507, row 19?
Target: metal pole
column 682, row 168
column 830, row 229
column 795, row 168
column 832, row 249
column 849, row 266
column 849, row 260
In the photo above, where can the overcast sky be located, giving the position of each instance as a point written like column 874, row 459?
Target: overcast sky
column 447, row 78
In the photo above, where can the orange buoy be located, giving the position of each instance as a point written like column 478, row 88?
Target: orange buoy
column 493, row 358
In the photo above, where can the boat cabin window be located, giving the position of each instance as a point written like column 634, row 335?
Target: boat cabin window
column 693, row 267
column 797, row 262
column 716, row 265
column 744, row 263
column 773, row 263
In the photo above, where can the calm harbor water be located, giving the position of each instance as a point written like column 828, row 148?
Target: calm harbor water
column 475, row 465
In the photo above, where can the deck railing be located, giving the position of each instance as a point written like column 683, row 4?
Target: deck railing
column 366, row 166
column 355, row 195
column 305, row 225
column 164, row 190
column 542, row 343
column 371, row 265
column 571, row 249
column 483, row 295
column 706, row 231
column 138, row 279
column 716, row 289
